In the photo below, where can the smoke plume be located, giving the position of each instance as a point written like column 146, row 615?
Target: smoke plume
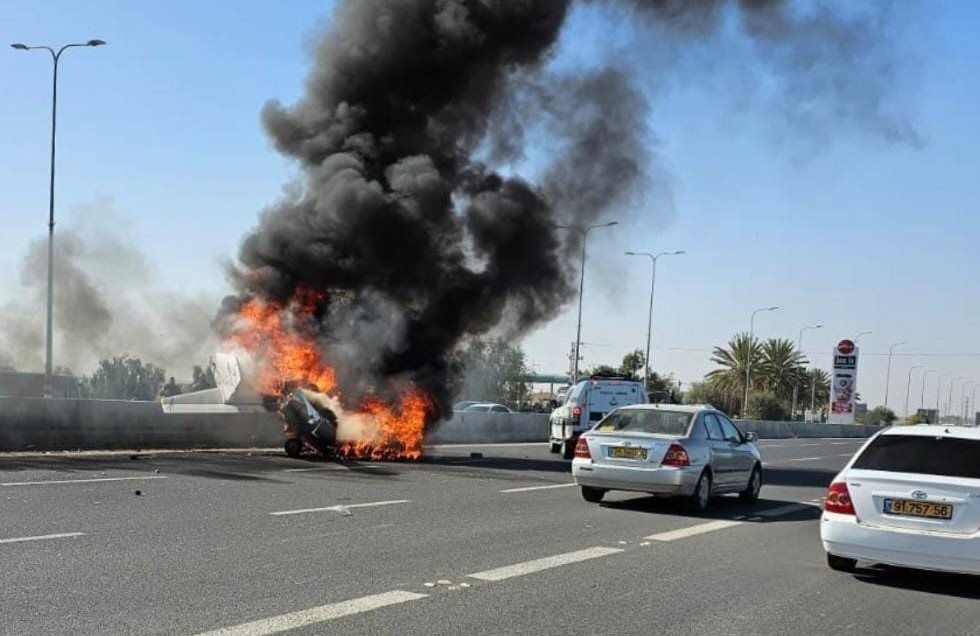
column 419, row 244
column 107, row 303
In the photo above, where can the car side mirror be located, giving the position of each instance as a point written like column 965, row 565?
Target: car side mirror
column 751, row 437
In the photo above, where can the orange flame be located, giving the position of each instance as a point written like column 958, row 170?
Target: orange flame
column 279, row 338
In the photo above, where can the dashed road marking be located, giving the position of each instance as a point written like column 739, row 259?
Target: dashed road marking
column 79, row 481
column 339, row 507
column 321, row 614
column 43, row 537
column 784, row 510
column 530, row 488
column 683, row 533
column 537, row 565
column 328, row 468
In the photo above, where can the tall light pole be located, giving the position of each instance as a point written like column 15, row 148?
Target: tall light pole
column 857, row 338
column 908, row 387
column 653, row 281
column 748, row 361
column 49, row 329
column 963, row 402
column 888, row 373
column 939, row 388
column 973, row 402
column 949, row 400
column 581, row 287
column 799, row 347
column 922, row 395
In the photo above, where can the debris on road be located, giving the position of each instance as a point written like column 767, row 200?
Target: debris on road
column 344, row 511
column 138, row 493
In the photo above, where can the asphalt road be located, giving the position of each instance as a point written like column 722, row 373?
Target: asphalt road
column 250, row 544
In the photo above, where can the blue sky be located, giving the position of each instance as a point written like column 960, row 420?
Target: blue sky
column 848, row 230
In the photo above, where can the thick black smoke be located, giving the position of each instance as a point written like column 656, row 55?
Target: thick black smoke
column 431, row 246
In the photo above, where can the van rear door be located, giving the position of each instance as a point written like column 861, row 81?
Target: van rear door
column 606, row 396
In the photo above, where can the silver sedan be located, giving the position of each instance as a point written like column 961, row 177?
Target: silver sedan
column 666, row 449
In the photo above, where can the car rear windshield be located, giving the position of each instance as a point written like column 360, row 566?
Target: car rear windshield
column 944, row 456
column 647, row 421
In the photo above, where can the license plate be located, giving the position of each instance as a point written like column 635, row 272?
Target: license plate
column 625, row 452
column 909, row 508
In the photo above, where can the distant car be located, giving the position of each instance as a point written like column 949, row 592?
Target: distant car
column 665, row 449
column 587, row 402
column 910, row 497
column 459, row 406
column 486, row 408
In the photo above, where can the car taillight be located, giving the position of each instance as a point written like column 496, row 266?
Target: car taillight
column 576, row 412
column 582, row 449
column 839, row 499
column 676, row 456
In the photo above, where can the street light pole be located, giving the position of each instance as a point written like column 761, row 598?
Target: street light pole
column 49, row 326
column 888, row 373
column 857, row 338
column 963, row 401
column 799, row 348
column 908, row 387
column 581, row 288
column 949, row 399
column 973, row 403
column 748, row 361
column 939, row 385
column 922, row 395
column 653, row 281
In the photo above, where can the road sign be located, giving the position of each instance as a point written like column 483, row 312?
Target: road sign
column 843, row 383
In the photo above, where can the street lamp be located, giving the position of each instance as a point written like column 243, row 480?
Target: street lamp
column 49, row 332
column 857, row 338
column 799, row 347
column 939, row 385
column 973, row 402
column 949, row 399
column 581, row 287
column 653, row 281
column 888, row 373
column 922, row 395
column 748, row 362
column 908, row 387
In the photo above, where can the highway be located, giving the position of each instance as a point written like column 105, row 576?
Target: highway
column 237, row 543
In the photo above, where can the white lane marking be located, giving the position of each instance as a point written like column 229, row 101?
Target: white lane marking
column 43, row 537
column 537, row 565
column 344, row 468
column 339, row 507
column 530, row 488
column 323, row 613
column 846, row 455
column 683, row 533
column 79, row 481
column 845, row 443
column 785, row 510
column 502, row 445
column 802, row 459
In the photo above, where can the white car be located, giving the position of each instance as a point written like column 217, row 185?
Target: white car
column 586, row 403
column 910, row 498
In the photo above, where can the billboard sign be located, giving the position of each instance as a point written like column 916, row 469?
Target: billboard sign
column 843, row 383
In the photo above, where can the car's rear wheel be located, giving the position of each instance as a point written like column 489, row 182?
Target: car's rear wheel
column 568, row 449
column 701, row 497
column 751, row 492
column 592, row 495
column 555, row 448
column 841, row 564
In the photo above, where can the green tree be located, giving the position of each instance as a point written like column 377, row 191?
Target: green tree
column 781, row 367
column 632, row 365
column 877, row 415
column 495, row 372
column 766, row 405
column 603, row 369
column 202, row 378
column 819, row 380
column 708, row 392
column 732, row 360
column 124, row 378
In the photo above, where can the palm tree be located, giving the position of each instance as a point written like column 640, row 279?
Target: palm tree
column 732, row 360
column 819, row 380
column 782, row 367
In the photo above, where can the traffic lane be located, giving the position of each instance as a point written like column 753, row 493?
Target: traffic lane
column 193, row 566
column 750, row 579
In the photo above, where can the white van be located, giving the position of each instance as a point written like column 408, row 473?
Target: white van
column 586, row 403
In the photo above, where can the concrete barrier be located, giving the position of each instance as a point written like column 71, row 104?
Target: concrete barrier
column 54, row 424
column 59, row 424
